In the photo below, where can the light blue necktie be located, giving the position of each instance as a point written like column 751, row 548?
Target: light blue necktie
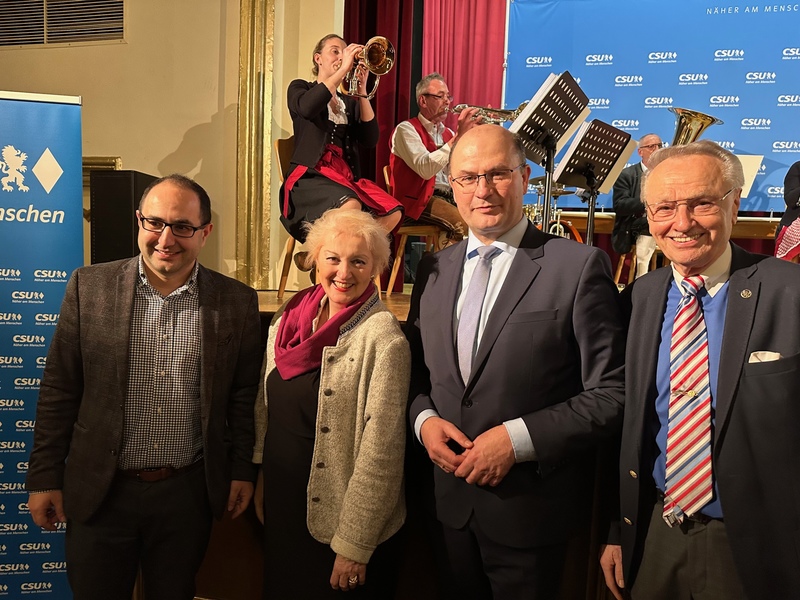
column 471, row 311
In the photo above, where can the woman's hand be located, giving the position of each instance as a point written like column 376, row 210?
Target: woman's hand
column 347, row 574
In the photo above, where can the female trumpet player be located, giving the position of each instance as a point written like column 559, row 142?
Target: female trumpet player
column 329, row 127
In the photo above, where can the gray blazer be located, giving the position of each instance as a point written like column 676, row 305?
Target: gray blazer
column 756, row 453
column 79, row 416
column 551, row 353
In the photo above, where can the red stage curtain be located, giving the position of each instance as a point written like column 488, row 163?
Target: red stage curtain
column 465, row 42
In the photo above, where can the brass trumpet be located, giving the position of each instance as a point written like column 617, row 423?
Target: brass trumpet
column 495, row 116
column 377, row 56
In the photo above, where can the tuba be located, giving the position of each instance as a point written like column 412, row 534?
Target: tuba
column 377, row 56
column 690, row 125
column 494, row 116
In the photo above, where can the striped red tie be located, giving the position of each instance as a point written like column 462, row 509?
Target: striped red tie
column 689, row 485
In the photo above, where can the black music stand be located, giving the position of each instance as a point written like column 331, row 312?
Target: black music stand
column 556, row 110
column 593, row 162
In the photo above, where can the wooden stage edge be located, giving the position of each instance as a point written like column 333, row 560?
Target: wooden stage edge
column 268, row 303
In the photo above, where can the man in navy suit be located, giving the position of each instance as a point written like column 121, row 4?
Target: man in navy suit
column 511, row 432
column 741, row 539
column 630, row 222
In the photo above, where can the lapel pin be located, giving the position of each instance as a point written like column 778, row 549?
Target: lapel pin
column 746, row 293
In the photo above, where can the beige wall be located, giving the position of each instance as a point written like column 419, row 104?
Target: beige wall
column 166, row 99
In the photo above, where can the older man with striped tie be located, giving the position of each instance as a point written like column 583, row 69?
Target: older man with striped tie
column 710, row 458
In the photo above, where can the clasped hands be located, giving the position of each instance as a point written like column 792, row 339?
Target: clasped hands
column 484, row 461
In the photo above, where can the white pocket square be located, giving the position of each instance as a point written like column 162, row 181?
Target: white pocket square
column 764, row 356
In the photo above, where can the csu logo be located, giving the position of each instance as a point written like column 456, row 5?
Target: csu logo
column 599, row 102
column 22, row 466
column 11, row 360
column 693, row 78
column 724, row 101
column 628, row 79
column 11, row 445
column 16, row 486
column 27, row 382
column 791, row 53
column 41, row 361
column 54, row 566
column 49, row 274
column 760, row 77
column 662, row 56
column 11, row 403
column 599, row 59
column 13, row 527
column 25, row 425
column 625, row 123
column 16, row 295
column 46, row 318
column 728, row 54
column 788, row 98
column 792, row 146
column 775, row 190
column 538, row 61
column 9, row 273
column 28, row 339
column 14, row 568
column 10, row 318
column 761, row 123
column 34, row 547
column 35, row 586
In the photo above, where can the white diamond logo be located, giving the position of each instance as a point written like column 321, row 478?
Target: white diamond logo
column 47, row 170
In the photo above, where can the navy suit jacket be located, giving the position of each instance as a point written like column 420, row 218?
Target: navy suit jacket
column 756, row 446
column 551, row 353
column 79, row 416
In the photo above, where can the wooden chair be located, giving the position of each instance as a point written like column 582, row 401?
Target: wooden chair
column 283, row 152
column 632, row 268
column 431, row 233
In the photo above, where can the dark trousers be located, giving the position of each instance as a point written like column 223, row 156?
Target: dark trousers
column 691, row 561
column 162, row 527
column 479, row 568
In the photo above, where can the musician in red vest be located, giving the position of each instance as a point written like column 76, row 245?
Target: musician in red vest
column 420, row 152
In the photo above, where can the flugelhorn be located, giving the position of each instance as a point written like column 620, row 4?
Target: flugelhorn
column 494, row 116
column 690, row 125
column 377, row 56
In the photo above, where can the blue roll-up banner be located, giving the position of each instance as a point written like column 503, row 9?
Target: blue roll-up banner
column 41, row 243
column 737, row 61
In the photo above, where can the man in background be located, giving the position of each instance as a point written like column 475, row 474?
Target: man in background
column 420, row 152
column 144, row 424
column 630, row 225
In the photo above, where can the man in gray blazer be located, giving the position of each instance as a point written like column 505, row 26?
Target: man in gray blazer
column 510, row 411
column 740, row 539
column 144, row 425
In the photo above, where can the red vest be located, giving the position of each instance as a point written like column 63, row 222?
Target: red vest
column 411, row 190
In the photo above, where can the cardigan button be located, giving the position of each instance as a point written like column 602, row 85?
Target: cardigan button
column 315, row 499
column 320, row 465
column 328, row 391
column 324, row 429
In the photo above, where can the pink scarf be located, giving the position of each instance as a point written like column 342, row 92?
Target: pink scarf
column 297, row 349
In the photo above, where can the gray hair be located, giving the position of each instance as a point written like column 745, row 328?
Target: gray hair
column 732, row 173
column 425, row 82
column 336, row 222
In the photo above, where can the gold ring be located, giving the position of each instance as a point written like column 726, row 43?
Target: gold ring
column 353, row 580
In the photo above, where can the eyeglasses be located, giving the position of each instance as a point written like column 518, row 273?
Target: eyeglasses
column 701, row 207
column 181, row 230
column 440, row 97
column 496, row 177
column 658, row 145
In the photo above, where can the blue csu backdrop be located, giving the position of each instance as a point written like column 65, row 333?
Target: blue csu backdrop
column 41, row 242
column 737, row 61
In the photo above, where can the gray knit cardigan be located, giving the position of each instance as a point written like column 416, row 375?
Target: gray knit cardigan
column 355, row 494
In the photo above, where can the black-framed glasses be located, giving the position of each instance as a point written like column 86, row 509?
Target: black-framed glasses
column 495, row 177
column 658, row 145
column 182, row 230
column 440, row 96
column 700, row 207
